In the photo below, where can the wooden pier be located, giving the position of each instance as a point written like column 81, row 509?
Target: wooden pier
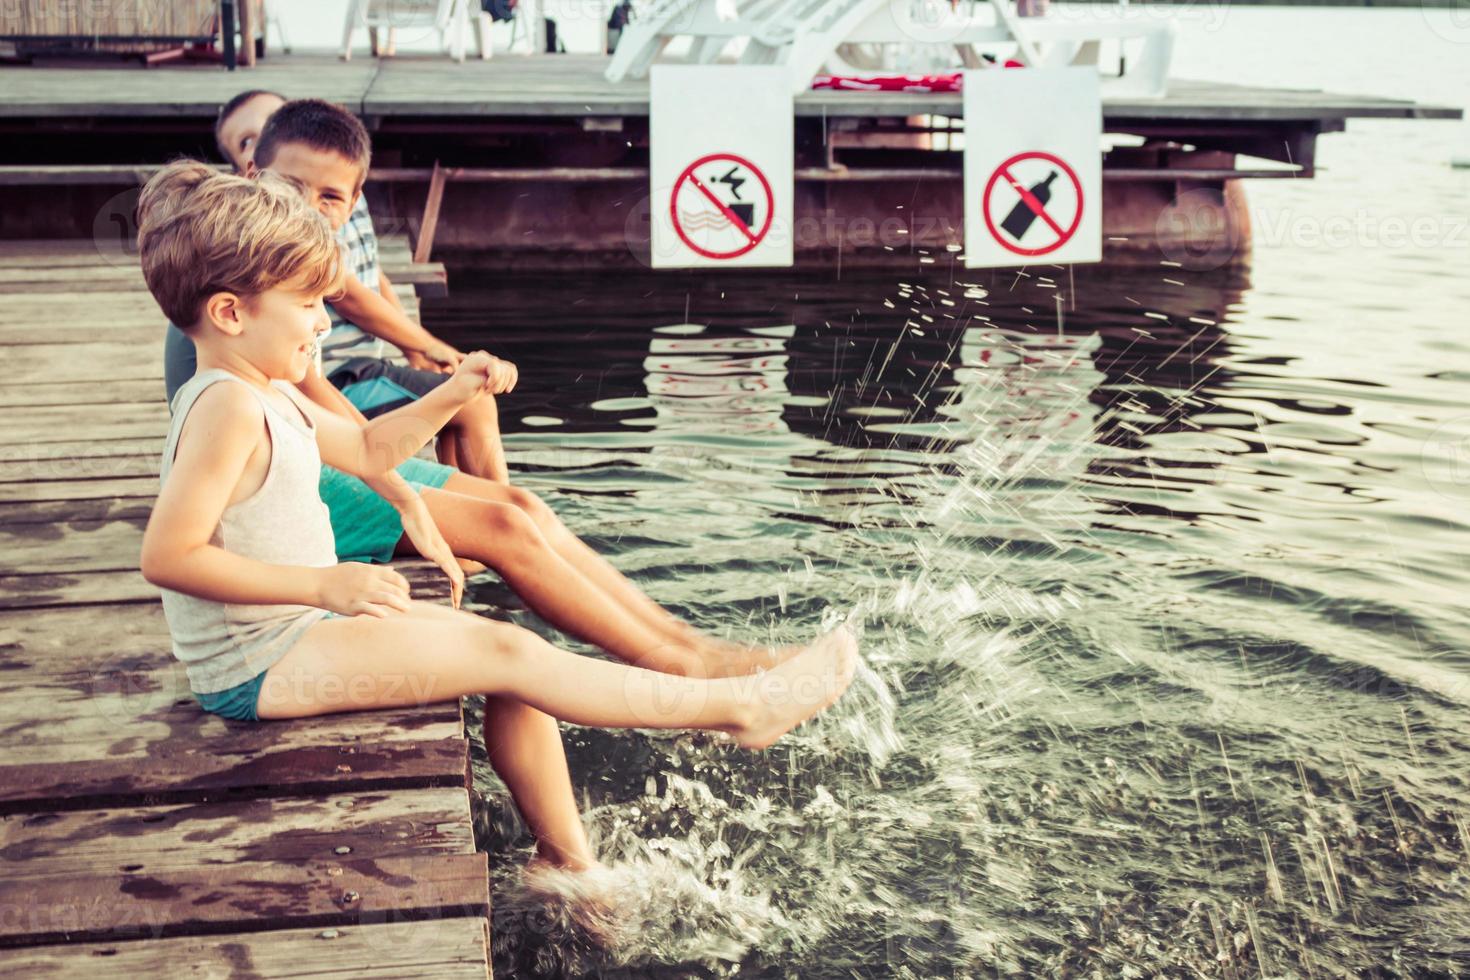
column 567, row 86
column 546, row 162
column 140, row 836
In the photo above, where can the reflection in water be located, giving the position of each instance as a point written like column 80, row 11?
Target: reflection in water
column 1155, row 691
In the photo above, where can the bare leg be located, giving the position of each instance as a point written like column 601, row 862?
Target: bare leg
column 446, row 447
column 476, row 432
column 504, row 537
column 718, row 656
column 526, row 751
column 350, row 664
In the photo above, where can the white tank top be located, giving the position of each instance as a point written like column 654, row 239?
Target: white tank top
column 283, row 523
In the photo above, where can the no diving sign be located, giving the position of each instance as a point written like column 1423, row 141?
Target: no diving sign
column 722, row 206
column 1033, row 167
column 721, row 166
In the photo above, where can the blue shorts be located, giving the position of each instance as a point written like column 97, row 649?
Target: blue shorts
column 238, row 703
column 376, row 386
column 366, row 526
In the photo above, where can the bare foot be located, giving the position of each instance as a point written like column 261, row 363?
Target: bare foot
column 724, row 659
column 584, row 898
column 542, row 863
column 797, row 689
column 470, row 567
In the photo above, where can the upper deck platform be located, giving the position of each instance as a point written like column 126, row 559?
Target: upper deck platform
column 573, row 86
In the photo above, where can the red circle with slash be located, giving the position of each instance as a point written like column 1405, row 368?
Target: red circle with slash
column 753, row 237
column 1064, row 235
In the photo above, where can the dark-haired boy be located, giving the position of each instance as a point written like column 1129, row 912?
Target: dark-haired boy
column 236, row 131
column 327, row 149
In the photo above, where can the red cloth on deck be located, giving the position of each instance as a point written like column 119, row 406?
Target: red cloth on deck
column 897, row 83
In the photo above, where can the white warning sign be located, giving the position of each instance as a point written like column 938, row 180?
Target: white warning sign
column 1033, row 167
column 721, row 166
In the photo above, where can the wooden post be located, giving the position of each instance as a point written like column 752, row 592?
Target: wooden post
column 425, row 243
column 247, row 32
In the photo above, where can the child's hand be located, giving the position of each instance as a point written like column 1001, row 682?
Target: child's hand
column 424, row 535
column 419, row 362
column 444, row 357
column 354, row 589
column 489, row 374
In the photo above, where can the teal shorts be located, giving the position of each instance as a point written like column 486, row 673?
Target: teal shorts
column 238, row 703
column 366, row 526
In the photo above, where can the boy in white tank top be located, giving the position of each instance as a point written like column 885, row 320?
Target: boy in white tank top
column 241, row 545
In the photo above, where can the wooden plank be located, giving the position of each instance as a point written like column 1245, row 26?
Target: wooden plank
column 60, row 393
column 53, row 479
column 101, row 361
column 83, row 546
column 450, row 948
column 186, row 91
column 39, row 424
column 148, row 840
column 20, row 286
column 194, row 756
column 64, row 641
column 80, row 459
column 80, row 500
column 23, row 311
column 91, row 278
column 126, row 305
column 42, row 591
column 249, row 897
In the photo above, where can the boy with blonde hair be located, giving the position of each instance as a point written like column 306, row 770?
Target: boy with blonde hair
column 266, row 621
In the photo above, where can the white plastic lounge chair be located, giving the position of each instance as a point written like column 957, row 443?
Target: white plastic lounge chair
column 450, row 18
column 809, row 36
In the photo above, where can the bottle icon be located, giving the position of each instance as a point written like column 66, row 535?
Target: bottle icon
column 1018, row 222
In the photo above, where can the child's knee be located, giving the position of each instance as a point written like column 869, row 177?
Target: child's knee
column 480, row 412
column 533, row 506
column 512, row 529
column 511, row 643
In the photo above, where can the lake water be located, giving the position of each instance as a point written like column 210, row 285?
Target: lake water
column 1164, row 609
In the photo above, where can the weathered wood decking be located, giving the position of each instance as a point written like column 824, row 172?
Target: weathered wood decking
column 139, row 835
column 571, row 85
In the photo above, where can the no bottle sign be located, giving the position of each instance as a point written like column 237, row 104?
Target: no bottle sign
column 722, row 206
column 1033, row 175
column 1033, row 203
column 721, row 166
